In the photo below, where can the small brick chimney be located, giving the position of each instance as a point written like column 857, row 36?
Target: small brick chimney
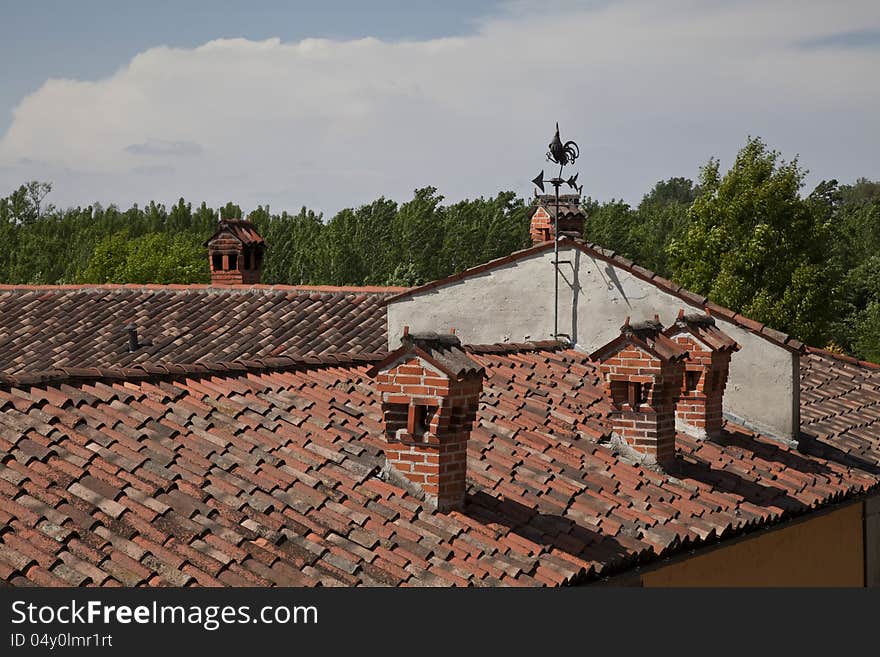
column 430, row 391
column 642, row 371
column 235, row 253
column 571, row 217
column 698, row 410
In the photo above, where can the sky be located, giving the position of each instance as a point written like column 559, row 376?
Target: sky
column 334, row 104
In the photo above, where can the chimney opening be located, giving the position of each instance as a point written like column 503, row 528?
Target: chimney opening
column 619, row 392
column 233, row 262
column 217, row 262
column 691, row 380
column 419, row 420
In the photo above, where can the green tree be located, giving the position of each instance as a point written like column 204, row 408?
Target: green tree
column 611, row 225
column 294, row 255
column 866, row 325
column 152, row 258
column 661, row 217
column 754, row 245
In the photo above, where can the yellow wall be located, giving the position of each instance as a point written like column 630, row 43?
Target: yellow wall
column 827, row 550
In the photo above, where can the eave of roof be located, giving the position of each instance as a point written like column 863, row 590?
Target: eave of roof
column 771, row 335
column 172, row 287
column 171, row 371
column 844, row 358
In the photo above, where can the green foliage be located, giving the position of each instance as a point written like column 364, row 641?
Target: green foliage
column 643, row 234
column 405, row 276
column 381, row 243
column 376, row 244
column 754, row 245
column 151, row 258
column 866, row 324
column 293, row 255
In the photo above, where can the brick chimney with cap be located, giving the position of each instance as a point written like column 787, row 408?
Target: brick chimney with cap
column 571, row 217
column 430, row 391
column 698, row 410
column 642, row 371
column 235, row 253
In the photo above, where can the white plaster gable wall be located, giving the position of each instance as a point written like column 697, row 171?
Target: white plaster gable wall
column 514, row 303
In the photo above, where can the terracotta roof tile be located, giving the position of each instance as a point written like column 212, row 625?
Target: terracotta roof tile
column 840, row 408
column 76, row 327
column 281, row 479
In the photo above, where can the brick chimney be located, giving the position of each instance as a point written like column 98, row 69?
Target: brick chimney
column 430, row 391
column 235, row 253
column 698, row 410
column 571, row 217
column 642, row 371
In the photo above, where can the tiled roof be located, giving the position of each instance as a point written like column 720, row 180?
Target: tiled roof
column 606, row 255
column 43, row 327
column 840, row 407
column 270, row 474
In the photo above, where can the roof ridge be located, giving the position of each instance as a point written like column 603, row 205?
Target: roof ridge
column 175, row 287
column 771, row 335
column 170, row 371
column 843, row 357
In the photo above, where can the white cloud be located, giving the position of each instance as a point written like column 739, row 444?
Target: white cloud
column 648, row 89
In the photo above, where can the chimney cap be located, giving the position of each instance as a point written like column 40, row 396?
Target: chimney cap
column 703, row 327
column 244, row 230
column 646, row 329
column 442, row 350
column 694, row 319
column 648, row 335
column 431, row 338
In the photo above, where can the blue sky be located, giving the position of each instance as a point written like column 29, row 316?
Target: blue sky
column 332, row 104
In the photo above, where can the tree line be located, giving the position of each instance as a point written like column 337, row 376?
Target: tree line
column 751, row 238
column 380, row 243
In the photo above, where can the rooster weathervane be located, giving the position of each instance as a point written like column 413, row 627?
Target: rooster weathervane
column 560, row 153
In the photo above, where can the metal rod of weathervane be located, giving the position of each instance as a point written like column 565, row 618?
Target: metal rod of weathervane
column 562, row 154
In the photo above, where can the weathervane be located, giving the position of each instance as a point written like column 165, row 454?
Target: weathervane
column 562, row 154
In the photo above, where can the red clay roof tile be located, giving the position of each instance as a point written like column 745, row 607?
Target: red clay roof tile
column 76, row 327
column 267, row 502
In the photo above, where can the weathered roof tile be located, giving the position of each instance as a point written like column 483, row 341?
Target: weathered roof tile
column 266, row 501
column 47, row 327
